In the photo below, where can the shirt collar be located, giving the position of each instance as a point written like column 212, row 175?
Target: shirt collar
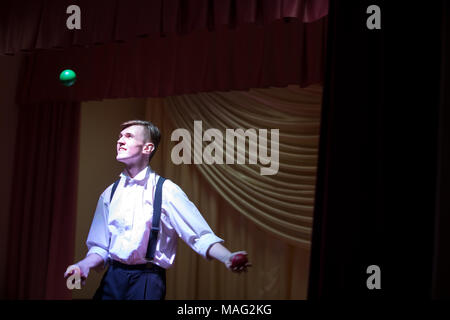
column 141, row 177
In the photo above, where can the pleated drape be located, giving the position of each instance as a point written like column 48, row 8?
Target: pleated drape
column 43, row 201
column 278, row 262
column 280, row 203
column 278, row 54
column 27, row 25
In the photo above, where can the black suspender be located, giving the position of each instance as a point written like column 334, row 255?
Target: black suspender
column 155, row 221
column 114, row 189
column 157, row 203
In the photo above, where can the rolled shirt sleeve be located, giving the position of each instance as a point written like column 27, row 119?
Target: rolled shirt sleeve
column 187, row 221
column 99, row 236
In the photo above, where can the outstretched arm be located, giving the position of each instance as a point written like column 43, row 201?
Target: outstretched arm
column 219, row 252
column 195, row 231
column 97, row 242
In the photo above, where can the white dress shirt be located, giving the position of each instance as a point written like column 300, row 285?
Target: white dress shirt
column 120, row 229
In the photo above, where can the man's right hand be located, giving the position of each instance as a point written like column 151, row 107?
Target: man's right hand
column 84, row 266
column 78, row 267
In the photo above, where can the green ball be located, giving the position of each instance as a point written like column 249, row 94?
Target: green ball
column 67, row 77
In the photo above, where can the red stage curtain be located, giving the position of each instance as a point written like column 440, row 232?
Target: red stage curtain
column 279, row 54
column 41, row 24
column 43, row 204
column 184, row 56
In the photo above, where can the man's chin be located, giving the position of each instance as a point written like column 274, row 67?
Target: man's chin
column 126, row 159
column 121, row 159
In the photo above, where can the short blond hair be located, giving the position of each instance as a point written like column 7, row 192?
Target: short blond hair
column 151, row 132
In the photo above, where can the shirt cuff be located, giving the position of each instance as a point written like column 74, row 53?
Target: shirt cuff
column 206, row 241
column 100, row 251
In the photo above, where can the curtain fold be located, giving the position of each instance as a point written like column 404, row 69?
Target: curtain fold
column 279, row 203
column 43, row 203
column 279, row 54
column 277, row 263
column 27, row 25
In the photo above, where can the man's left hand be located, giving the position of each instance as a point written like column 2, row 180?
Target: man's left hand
column 238, row 262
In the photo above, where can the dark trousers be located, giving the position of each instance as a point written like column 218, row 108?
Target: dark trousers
column 135, row 282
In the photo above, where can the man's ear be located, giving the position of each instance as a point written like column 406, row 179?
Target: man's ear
column 149, row 147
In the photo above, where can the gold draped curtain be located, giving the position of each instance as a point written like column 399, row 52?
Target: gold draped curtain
column 269, row 216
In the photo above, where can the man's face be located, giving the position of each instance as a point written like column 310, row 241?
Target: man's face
column 131, row 145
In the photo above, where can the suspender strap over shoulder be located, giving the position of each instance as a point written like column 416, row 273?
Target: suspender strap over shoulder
column 155, row 221
column 114, row 189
